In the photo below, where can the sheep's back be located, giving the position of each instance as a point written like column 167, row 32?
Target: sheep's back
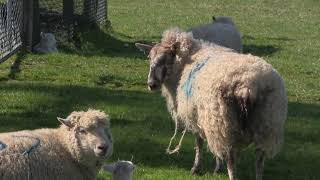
column 48, row 160
column 224, row 74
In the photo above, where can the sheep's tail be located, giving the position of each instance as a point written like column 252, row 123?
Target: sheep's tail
column 177, row 148
column 243, row 98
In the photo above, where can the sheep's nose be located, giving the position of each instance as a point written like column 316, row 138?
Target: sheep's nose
column 103, row 148
column 152, row 85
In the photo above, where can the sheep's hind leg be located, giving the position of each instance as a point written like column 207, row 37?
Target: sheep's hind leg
column 219, row 166
column 231, row 164
column 197, row 165
column 260, row 157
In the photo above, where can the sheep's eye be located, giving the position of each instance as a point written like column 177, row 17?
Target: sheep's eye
column 82, row 130
column 109, row 136
column 161, row 61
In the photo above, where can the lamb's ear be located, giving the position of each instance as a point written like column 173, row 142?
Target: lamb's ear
column 109, row 167
column 146, row 48
column 42, row 35
column 213, row 19
column 65, row 122
column 174, row 47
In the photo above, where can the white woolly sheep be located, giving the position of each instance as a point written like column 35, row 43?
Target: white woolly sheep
column 221, row 31
column 47, row 44
column 74, row 151
column 121, row 170
column 229, row 99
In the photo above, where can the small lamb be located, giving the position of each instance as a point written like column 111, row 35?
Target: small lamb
column 121, row 170
column 222, row 31
column 47, row 44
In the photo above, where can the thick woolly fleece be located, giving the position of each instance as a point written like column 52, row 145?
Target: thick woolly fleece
column 222, row 32
column 236, row 99
column 58, row 155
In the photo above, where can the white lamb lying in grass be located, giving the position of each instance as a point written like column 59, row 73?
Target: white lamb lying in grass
column 121, row 170
column 221, row 31
column 47, row 44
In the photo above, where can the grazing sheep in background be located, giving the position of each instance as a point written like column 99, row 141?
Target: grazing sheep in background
column 47, row 44
column 75, row 150
column 227, row 98
column 221, row 31
column 121, row 170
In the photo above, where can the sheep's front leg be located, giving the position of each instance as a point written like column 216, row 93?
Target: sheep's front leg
column 219, row 166
column 260, row 157
column 231, row 164
column 197, row 165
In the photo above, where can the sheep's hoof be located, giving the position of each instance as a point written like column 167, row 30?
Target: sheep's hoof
column 218, row 170
column 196, row 170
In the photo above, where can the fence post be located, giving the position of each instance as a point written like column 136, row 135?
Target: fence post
column 31, row 24
column 68, row 17
column 27, row 24
column 36, row 23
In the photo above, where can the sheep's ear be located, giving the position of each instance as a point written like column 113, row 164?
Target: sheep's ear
column 146, row 48
column 174, row 47
column 65, row 122
column 109, row 168
column 133, row 167
column 42, row 35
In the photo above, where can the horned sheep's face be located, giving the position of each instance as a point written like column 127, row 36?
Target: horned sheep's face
column 92, row 141
column 161, row 61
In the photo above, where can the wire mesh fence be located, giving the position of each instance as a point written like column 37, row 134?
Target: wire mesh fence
column 21, row 21
column 62, row 16
column 11, row 22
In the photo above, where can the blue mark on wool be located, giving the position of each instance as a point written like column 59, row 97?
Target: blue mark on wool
column 2, row 146
column 187, row 87
column 34, row 146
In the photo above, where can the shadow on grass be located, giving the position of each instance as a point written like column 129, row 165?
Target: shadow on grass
column 116, row 81
column 15, row 67
column 142, row 127
column 94, row 41
column 305, row 111
column 260, row 50
column 248, row 37
column 65, row 99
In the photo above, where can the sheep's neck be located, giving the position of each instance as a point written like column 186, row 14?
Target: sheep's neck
column 169, row 87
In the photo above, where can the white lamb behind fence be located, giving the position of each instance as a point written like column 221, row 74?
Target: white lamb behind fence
column 227, row 98
column 74, row 151
column 121, row 170
column 221, row 31
column 47, row 44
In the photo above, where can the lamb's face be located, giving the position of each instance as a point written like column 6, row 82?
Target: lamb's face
column 121, row 170
column 48, row 39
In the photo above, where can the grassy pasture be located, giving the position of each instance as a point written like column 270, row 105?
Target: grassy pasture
column 106, row 72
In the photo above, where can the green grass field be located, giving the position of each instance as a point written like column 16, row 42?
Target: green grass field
column 104, row 74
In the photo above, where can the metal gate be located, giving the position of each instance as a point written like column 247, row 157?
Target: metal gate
column 11, row 23
column 21, row 21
